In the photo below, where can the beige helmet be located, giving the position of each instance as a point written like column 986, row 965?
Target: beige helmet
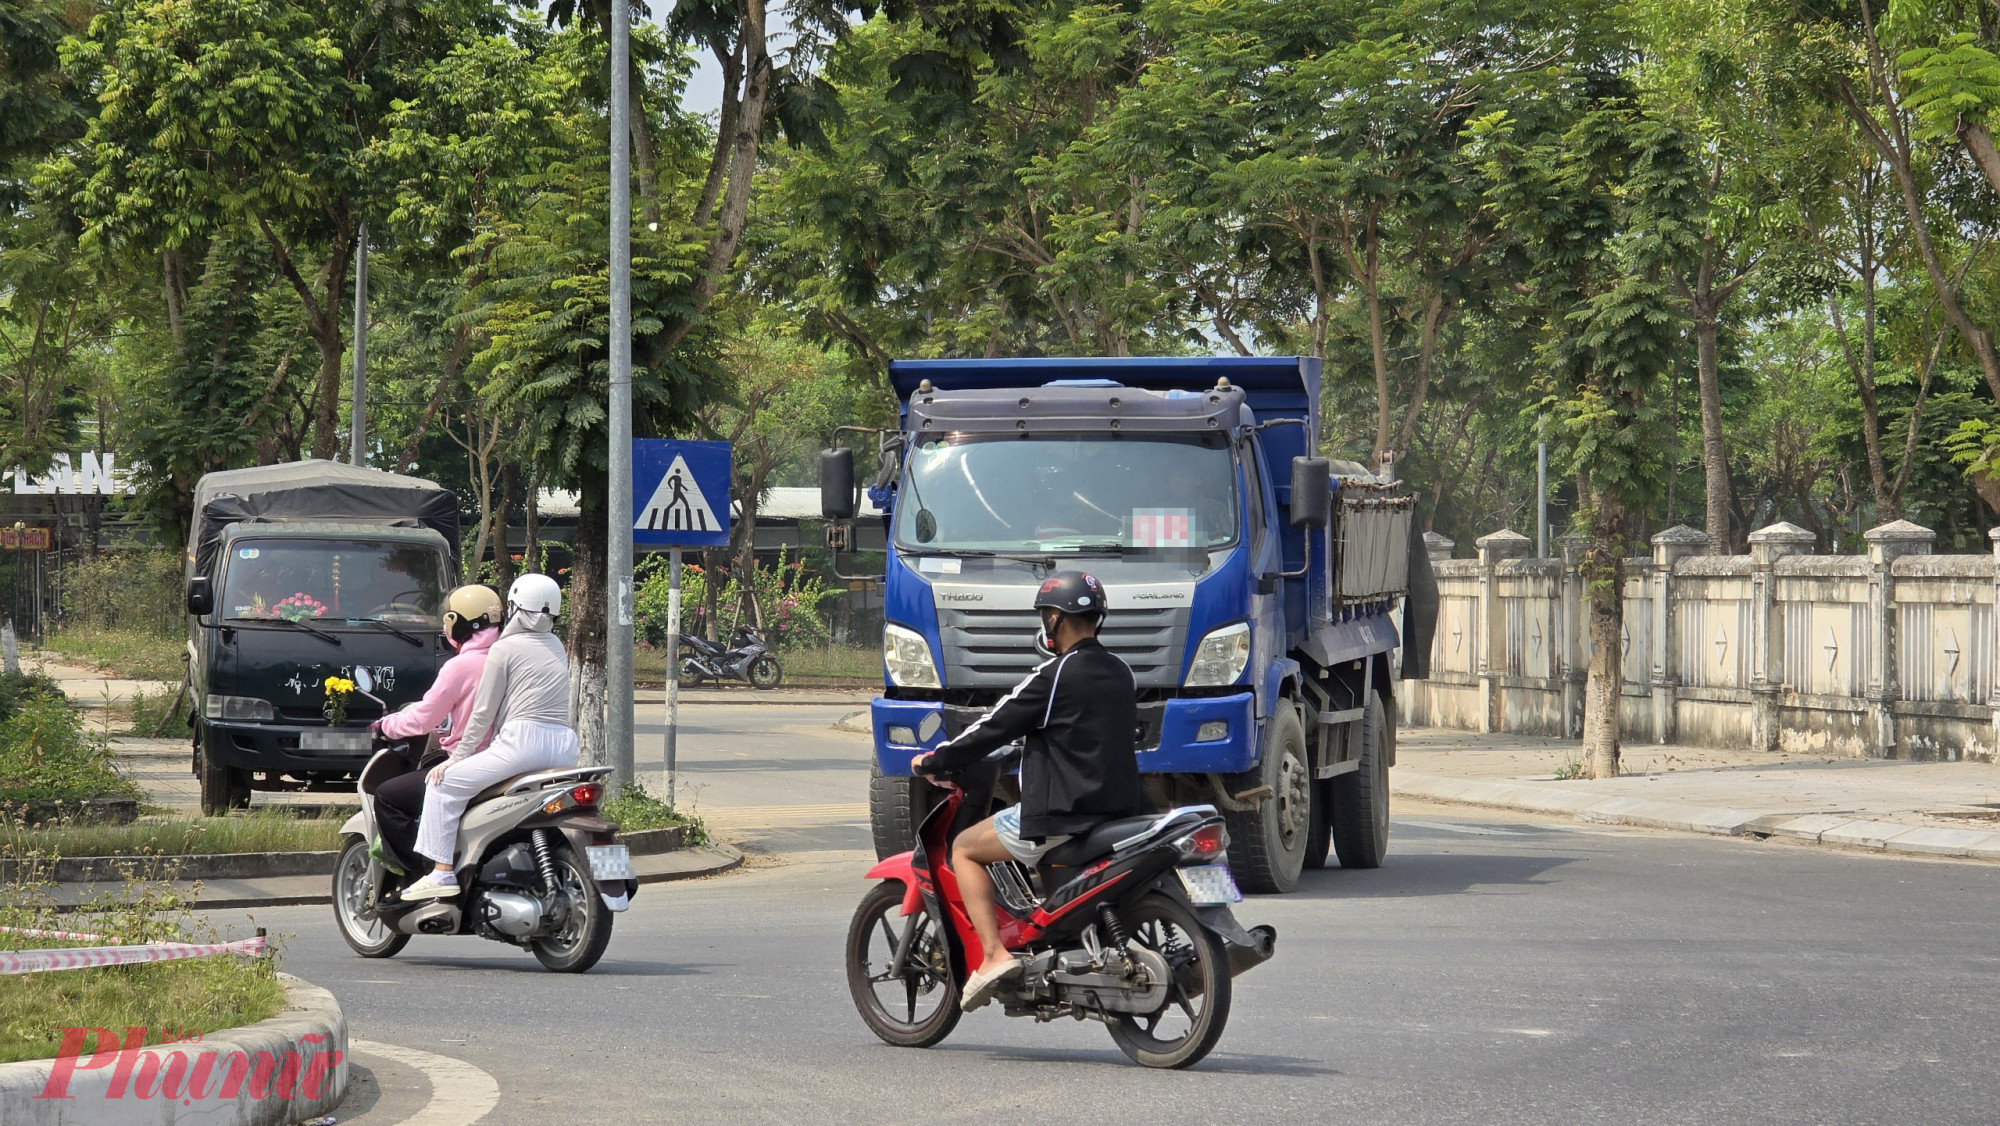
column 468, row 610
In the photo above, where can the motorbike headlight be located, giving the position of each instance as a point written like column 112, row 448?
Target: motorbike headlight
column 1220, row 657
column 908, row 658
column 238, row 708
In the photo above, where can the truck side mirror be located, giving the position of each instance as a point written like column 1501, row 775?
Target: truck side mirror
column 1312, row 491
column 200, row 599
column 836, row 484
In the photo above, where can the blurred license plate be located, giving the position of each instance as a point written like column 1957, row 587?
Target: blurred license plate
column 333, row 740
column 1209, row 885
column 610, row 862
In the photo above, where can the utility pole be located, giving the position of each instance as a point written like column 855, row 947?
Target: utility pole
column 618, row 544
column 1541, row 500
column 357, row 431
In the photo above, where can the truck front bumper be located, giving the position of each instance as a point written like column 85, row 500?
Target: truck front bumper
column 274, row 747
column 1173, row 728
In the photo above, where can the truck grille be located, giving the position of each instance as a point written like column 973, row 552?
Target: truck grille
column 994, row 648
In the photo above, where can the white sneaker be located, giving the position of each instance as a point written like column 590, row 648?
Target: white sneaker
column 979, row 988
column 432, row 886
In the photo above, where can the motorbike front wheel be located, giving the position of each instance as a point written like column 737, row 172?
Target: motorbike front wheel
column 914, row 1009
column 580, row 941
column 765, row 672
column 1189, row 1024
column 370, row 937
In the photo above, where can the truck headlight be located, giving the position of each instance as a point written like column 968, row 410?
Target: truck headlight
column 238, row 708
column 1220, row 657
column 908, row 658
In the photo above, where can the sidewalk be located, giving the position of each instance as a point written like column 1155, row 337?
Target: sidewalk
column 1933, row 809
column 91, row 688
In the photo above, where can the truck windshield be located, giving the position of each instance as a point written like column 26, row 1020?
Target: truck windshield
column 339, row 580
column 1063, row 492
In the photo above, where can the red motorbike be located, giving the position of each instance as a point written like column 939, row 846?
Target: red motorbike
column 1128, row 924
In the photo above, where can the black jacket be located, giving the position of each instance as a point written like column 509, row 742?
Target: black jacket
column 1079, row 715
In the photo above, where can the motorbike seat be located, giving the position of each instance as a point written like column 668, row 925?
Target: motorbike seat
column 1085, row 847
column 498, row 788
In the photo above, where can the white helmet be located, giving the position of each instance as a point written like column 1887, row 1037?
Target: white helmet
column 535, row 592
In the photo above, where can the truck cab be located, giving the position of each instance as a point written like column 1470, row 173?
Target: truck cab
column 1192, row 489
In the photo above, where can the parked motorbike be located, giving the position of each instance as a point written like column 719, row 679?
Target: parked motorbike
column 745, row 658
column 1128, row 924
column 538, row 867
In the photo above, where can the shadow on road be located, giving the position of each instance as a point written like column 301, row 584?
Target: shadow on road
column 609, row 967
column 1423, row 873
column 1225, row 1063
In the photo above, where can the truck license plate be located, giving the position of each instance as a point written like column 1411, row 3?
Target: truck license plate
column 333, row 740
column 610, row 862
column 1210, row 885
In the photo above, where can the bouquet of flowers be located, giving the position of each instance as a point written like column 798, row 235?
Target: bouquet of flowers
column 338, row 689
column 298, row 608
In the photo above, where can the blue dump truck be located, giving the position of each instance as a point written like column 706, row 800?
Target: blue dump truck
column 1254, row 587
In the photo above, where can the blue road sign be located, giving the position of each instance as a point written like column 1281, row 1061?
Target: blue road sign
column 680, row 493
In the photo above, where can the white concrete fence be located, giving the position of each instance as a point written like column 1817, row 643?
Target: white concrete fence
column 1890, row 654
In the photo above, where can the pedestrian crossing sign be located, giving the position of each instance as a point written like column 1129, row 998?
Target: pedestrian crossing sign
column 680, row 493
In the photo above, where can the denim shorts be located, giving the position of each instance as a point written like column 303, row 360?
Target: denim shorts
column 1007, row 825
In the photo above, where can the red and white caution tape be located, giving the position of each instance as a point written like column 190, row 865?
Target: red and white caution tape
column 84, row 957
column 66, row 936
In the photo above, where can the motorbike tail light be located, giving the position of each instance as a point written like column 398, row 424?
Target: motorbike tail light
column 1205, row 843
column 587, row 794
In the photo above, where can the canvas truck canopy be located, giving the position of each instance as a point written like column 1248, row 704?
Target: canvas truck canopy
column 315, row 491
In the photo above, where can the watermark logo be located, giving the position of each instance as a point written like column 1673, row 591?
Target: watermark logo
column 180, row 1069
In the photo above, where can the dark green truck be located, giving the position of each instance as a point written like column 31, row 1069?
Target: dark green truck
column 297, row 573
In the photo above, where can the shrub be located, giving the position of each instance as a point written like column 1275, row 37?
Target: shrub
column 635, row 808
column 46, row 754
column 139, row 591
column 788, row 594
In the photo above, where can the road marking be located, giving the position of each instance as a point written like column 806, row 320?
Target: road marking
column 461, row 1094
column 1471, row 830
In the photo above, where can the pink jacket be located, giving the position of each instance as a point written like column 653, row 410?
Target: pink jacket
column 450, row 696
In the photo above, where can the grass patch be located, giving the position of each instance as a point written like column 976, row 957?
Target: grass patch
column 200, row 995
column 1570, row 771
column 154, row 716
column 635, row 808
column 46, row 754
column 133, row 653
column 181, row 836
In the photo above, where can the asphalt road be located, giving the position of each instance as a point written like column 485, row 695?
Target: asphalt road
column 1494, row 971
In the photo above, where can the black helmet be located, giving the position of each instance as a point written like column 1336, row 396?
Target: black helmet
column 1072, row 592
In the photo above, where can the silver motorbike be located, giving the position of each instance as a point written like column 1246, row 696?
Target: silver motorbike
column 538, row 867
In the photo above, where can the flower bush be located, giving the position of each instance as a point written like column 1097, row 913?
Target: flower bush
column 789, row 594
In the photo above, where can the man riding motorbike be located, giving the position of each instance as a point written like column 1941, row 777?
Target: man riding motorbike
column 472, row 617
column 521, row 706
column 1078, row 713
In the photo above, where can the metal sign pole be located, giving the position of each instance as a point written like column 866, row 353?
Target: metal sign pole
column 618, row 547
column 673, row 661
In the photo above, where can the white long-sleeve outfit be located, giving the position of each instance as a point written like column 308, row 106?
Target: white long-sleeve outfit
column 520, row 722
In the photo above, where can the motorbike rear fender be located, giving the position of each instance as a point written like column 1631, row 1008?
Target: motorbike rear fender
column 899, row 867
column 582, row 830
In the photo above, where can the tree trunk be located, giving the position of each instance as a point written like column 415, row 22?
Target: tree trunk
column 503, row 559
column 587, row 642
column 531, row 550
column 1979, row 145
column 326, row 396
column 1603, row 576
column 1714, row 454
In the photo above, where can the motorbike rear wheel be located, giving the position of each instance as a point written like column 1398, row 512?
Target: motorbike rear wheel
column 690, row 673
column 370, row 938
column 580, row 941
column 1180, row 1033
column 765, row 672
column 926, row 979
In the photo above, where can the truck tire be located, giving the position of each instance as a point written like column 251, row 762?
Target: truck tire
column 1360, row 805
column 1267, row 843
column 896, row 808
column 223, row 788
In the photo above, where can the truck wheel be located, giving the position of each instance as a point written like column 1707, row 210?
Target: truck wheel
column 896, row 808
column 1361, row 796
column 223, row 788
column 1267, row 843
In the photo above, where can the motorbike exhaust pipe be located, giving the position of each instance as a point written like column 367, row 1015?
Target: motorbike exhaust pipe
column 1242, row 957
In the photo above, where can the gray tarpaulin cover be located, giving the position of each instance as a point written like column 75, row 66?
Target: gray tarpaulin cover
column 314, row 490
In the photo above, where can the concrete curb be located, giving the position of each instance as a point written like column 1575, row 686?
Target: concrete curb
column 1572, row 800
column 305, row 1044
column 859, row 722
